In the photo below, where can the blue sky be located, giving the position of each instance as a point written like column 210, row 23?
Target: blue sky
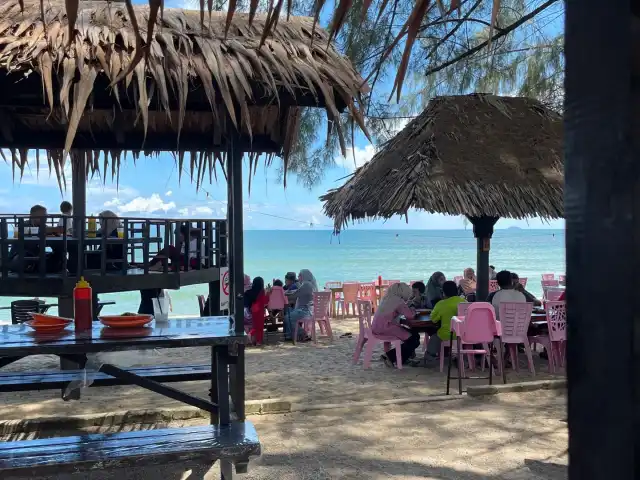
column 151, row 187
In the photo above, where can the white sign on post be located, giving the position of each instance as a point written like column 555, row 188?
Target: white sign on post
column 224, row 288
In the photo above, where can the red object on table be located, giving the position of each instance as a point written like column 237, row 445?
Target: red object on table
column 83, row 305
column 379, row 280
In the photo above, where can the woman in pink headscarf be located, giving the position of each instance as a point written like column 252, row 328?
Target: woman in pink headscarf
column 386, row 322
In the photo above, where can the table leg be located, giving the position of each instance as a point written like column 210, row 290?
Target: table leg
column 239, row 386
column 213, row 391
column 65, row 309
column 222, row 366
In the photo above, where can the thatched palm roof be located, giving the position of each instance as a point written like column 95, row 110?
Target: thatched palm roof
column 193, row 84
column 474, row 155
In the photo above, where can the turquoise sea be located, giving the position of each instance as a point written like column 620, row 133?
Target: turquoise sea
column 362, row 255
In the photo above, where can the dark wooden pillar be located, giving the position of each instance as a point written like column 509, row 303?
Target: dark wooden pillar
column 602, row 211
column 483, row 231
column 236, row 269
column 79, row 200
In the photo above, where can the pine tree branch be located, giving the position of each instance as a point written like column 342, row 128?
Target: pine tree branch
column 505, row 31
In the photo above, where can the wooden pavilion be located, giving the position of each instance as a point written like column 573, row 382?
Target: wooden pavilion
column 480, row 155
column 207, row 89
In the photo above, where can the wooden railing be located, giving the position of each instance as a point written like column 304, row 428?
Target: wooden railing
column 71, row 246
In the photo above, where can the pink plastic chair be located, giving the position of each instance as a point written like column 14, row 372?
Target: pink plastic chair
column 479, row 326
column 390, row 282
column 367, row 337
column 349, row 297
column 523, row 281
column 556, row 341
column 548, row 276
column 552, row 294
column 277, row 299
column 367, row 291
column 457, row 279
column 550, row 283
column 562, row 279
column 320, row 316
column 515, row 318
column 493, row 286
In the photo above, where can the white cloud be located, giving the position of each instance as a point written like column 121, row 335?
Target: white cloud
column 168, row 194
column 360, row 155
column 357, row 157
column 149, row 204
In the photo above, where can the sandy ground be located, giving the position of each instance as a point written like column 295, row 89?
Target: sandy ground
column 510, row 437
column 311, row 374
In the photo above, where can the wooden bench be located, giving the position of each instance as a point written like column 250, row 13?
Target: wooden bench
column 30, row 381
column 232, row 444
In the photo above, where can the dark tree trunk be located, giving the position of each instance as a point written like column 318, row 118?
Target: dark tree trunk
column 602, row 175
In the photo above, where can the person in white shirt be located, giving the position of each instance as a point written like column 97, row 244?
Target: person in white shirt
column 66, row 209
column 506, row 292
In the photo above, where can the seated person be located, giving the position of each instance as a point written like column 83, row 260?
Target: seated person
column 441, row 315
column 418, row 298
column 109, row 224
column 175, row 254
column 387, row 322
column 506, row 292
column 66, row 209
column 31, row 253
column 468, row 284
column 520, row 288
column 434, row 288
column 290, row 283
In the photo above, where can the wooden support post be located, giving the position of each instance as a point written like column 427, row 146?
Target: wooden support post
column 236, row 267
column 483, row 231
column 79, row 190
column 602, row 211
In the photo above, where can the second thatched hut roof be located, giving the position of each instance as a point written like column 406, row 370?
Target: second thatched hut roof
column 474, row 155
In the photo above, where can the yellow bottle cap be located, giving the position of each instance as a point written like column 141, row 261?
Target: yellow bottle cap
column 82, row 283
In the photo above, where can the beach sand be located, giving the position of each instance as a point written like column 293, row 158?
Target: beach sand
column 510, row 437
column 305, row 373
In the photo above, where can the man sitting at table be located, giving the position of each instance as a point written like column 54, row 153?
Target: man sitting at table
column 506, row 293
column 31, row 252
column 441, row 315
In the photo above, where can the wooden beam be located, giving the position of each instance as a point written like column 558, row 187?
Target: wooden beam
column 133, row 141
column 602, row 212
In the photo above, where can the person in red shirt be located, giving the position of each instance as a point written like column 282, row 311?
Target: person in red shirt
column 255, row 302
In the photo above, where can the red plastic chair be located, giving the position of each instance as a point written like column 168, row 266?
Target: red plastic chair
column 349, row 297
column 548, row 276
column 479, row 326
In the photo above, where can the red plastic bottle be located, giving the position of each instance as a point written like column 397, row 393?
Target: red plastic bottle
column 379, row 280
column 83, row 305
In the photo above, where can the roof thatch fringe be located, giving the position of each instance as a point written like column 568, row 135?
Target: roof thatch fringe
column 230, row 60
column 410, row 29
column 472, row 155
column 202, row 166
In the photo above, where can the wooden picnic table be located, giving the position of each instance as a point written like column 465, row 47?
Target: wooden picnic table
column 19, row 341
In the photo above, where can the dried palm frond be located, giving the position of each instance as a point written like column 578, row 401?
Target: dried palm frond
column 152, row 82
column 470, row 155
